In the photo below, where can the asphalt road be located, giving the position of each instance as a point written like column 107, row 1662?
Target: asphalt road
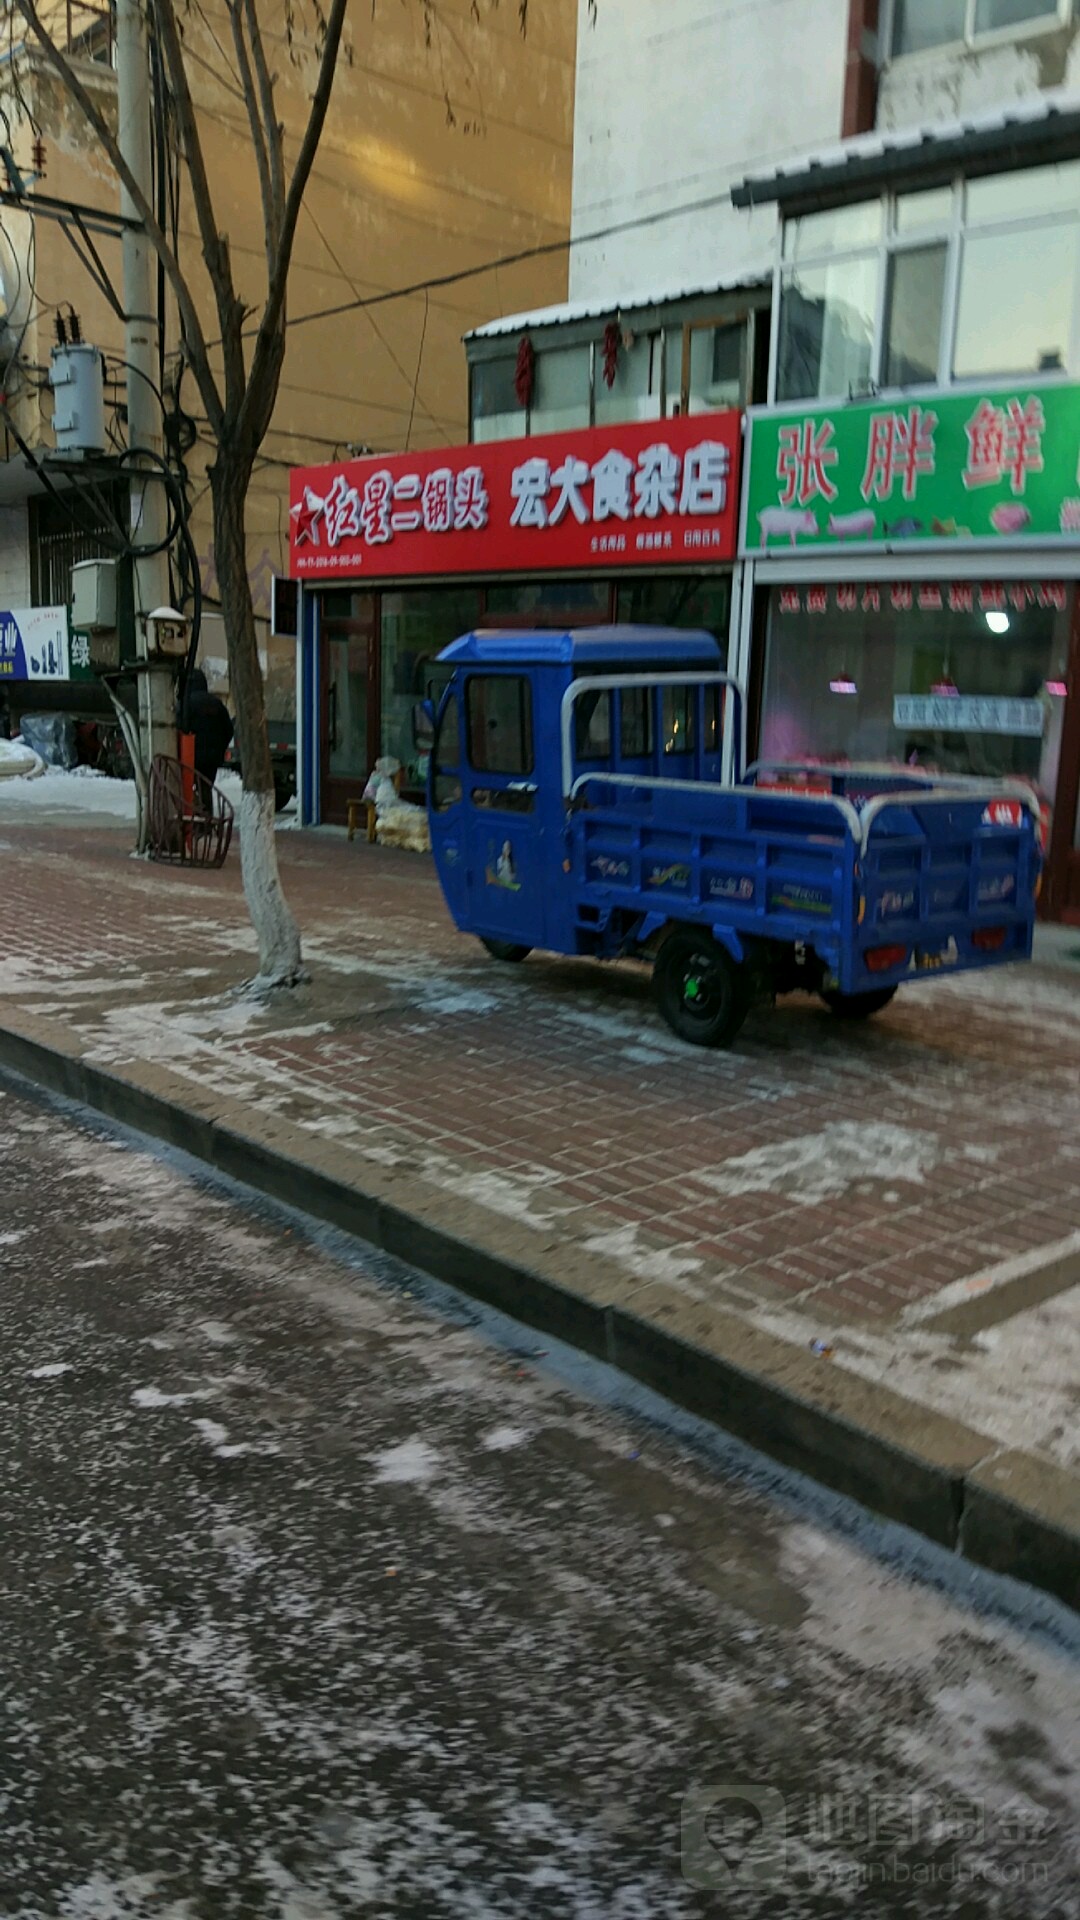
column 321, row 1598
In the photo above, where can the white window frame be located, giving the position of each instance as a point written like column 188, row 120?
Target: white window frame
column 1055, row 14
column 953, row 234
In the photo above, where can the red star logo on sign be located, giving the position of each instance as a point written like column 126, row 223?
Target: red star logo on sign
column 306, row 518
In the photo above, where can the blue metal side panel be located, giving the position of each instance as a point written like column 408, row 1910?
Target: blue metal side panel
column 749, row 864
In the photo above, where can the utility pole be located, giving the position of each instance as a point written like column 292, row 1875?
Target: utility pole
column 149, row 518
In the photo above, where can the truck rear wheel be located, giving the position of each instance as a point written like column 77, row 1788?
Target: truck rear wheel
column 702, row 993
column 505, row 950
column 858, row 1006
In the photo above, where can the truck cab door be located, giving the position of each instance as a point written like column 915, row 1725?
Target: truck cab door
column 506, row 874
column 446, row 806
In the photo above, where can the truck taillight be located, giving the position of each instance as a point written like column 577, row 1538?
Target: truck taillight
column 884, row 959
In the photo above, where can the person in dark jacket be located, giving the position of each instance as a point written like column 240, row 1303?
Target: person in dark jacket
column 204, row 715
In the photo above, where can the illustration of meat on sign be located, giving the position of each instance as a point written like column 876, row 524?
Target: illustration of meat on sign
column 853, row 526
column 1010, row 519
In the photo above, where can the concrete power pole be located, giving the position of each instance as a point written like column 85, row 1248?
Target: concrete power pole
column 149, row 517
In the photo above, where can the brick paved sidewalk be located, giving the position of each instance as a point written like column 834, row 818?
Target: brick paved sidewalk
column 823, row 1181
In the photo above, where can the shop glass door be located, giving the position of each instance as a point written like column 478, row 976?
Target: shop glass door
column 347, row 672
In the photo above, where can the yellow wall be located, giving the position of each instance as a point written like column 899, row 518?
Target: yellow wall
column 435, row 157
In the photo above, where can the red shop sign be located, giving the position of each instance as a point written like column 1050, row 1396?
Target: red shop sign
column 654, row 493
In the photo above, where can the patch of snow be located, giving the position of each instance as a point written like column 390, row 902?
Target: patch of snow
column 412, row 1460
column 814, row 1167
column 501, row 1439
column 52, row 1370
column 54, row 790
column 625, row 1245
column 151, row 1397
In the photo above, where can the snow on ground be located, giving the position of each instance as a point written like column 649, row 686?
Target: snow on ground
column 84, row 791
column 80, row 791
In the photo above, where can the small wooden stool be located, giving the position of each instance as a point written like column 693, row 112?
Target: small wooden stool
column 353, row 810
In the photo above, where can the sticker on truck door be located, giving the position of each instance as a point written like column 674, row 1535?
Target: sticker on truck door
column 500, row 870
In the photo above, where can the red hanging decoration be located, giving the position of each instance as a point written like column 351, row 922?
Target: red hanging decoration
column 612, row 343
column 525, row 372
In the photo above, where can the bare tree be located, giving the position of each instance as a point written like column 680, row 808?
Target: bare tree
column 239, row 402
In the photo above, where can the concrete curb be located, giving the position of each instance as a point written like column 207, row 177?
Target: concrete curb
column 1008, row 1511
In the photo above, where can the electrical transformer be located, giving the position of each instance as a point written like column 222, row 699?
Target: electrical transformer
column 77, row 378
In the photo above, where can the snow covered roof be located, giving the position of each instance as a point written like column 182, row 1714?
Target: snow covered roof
column 1045, row 126
column 619, row 303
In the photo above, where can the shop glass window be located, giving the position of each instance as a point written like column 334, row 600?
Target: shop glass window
column 1009, row 245
column 840, row 230
column 673, row 372
column 499, row 718
column 992, row 15
column 916, row 676
column 497, row 413
column 580, row 603
column 1017, row 306
column 415, row 627
column 717, row 361
column 561, row 390
column 699, row 606
column 922, row 24
column 447, row 782
column 635, row 393
column 916, row 302
column 923, row 212
column 827, row 318
column 1033, row 193
column 677, row 719
column 592, row 726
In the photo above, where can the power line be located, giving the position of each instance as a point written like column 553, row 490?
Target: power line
column 544, row 251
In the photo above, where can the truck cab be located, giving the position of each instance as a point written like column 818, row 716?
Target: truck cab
column 496, row 804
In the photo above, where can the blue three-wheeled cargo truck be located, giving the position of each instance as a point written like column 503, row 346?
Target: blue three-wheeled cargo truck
column 577, row 805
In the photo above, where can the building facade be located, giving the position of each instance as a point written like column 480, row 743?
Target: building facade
column 447, row 145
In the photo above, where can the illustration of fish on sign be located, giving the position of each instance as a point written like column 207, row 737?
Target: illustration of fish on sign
column 1009, row 518
column 907, row 529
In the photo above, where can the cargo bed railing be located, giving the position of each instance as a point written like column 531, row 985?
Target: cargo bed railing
column 925, row 789
column 658, row 683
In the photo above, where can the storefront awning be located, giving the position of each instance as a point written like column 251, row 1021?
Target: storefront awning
column 1044, row 128
column 574, row 310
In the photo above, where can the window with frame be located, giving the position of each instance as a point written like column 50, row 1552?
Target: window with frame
column 560, row 399
column 919, row 25
column 865, row 289
column 634, row 394
column 497, row 413
column 498, row 709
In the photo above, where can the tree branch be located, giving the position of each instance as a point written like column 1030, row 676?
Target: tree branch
column 194, row 338
column 274, row 131
column 255, row 123
column 269, row 348
column 215, row 245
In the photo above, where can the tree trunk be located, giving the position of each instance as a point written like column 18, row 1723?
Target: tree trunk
column 275, row 929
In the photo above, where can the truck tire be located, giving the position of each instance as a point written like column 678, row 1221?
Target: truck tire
column 859, row 1006
column 703, row 994
column 505, row 950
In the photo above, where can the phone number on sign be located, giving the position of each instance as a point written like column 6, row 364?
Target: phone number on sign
column 311, row 563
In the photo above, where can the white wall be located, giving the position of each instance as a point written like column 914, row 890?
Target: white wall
column 14, row 557
column 676, row 99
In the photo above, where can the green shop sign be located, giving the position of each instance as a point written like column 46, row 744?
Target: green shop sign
column 955, row 470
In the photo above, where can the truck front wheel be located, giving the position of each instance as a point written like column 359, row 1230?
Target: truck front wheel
column 700, row 990
column 505, row 950
column 858, row 1006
